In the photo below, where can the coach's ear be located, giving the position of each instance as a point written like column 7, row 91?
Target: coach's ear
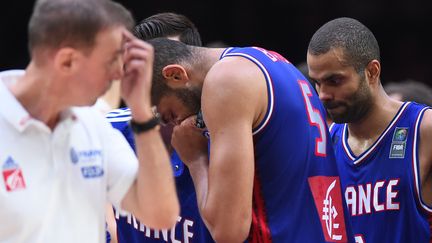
column 66, row 60
column 175, row 75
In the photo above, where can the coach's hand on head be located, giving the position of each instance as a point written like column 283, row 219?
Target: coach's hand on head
column 152, row 198
column 136, row 82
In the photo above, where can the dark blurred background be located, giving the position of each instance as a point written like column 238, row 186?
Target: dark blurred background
column 401, row 27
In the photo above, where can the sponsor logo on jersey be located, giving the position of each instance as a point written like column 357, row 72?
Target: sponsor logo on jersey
column 398, row 145
column 12, row 175
column 327, row 195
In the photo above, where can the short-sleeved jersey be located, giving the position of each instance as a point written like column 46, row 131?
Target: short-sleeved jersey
column 55, row 182
column 189, row 227
column 297, row 194
column 382, row 185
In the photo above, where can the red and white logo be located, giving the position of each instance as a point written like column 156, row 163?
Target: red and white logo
column 328, row 201
column 13, row 176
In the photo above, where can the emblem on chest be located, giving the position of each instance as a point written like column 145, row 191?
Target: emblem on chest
column 13, row 175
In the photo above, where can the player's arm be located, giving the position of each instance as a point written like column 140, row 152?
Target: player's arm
column 229, row 105
column 152, row 197
column 425, row 156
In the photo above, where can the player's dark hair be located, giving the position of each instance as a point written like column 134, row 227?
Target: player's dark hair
column 168, row 52
column 356, row 40
column 166, row 25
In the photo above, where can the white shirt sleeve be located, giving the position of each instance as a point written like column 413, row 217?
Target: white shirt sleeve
column 121, row 164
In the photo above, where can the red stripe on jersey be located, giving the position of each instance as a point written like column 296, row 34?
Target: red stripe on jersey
column 260, row 232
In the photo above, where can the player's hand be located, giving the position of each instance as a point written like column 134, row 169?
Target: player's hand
column 136, row 82
column 189, row 142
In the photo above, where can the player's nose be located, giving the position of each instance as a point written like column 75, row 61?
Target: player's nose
column 325, row 93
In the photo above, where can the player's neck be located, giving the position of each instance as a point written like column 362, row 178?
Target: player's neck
column 209, row 56
column 35, row 93
column 212, row 55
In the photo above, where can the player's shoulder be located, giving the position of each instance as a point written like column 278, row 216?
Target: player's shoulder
column 420, row 114
column 335, row 127
column 236, row 83
column 426, row 121
column 235, row 73
column 335, row 131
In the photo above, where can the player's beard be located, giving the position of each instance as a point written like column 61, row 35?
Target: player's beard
column 191, row 98
column 356, row 107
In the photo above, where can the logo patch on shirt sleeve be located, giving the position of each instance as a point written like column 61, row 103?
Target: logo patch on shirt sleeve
column 85, row 155
column 398, row 145
column 92, row 171
column 12, row 175
column 328, row 201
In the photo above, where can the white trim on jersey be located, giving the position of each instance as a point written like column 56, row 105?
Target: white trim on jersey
column 225, row 52
column 345, row 147
column 331, row 126
column 118, row 112
column 119, row 115
column 119, row 119
column 378, row 141
column 415, row 162
column 268, row 81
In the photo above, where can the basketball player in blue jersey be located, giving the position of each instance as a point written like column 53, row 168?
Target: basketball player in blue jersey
column 382, row 145
column 189, row 227
column 270, row 175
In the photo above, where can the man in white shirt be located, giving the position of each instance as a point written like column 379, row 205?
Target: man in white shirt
column 61, row 161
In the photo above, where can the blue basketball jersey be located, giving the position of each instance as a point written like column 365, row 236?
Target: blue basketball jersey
column 382, row 185
column 189, row 227
column 297, row 193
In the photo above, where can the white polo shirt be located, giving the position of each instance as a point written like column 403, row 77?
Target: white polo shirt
column 55, row 183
